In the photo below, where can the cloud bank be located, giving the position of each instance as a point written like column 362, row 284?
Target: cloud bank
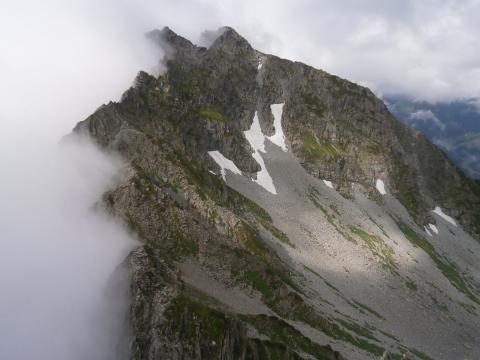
column 64, row 293
column 60, row 260
column 427, row 116
column 423, row 49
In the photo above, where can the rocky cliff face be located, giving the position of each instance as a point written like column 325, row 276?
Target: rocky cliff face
column 285, row 213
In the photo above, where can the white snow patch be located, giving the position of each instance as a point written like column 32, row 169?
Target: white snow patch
column 433, row 228
column 380, row 187
column 279, row 137
column 224, row 163
column 255, row 136
column 427, row 231
column 260, row 64
column 256, row 139
column 447, row 218
column 263, row 177
column 328, row 183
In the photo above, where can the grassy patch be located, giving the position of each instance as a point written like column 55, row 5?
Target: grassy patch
column 314, row 149
column 280, row 331
column 280, row 235
column 257, row 282
column 358, row 329
column 420, row 354
column 306, row 314
column 213, row 114
column 187, row 313
column 195, row 320
column 368, row 309
column 411, row 284
column 378, row 248
column 447, row 268
column 183, row 246
column 250, row 239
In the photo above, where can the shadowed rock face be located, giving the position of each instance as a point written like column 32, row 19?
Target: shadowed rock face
column 164, row 127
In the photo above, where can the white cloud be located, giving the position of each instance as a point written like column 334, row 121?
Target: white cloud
column 58, row 258
column 426, row 116
column 426, row 49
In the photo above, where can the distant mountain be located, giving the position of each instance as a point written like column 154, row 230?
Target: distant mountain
column 453, row 126
column 285, row 213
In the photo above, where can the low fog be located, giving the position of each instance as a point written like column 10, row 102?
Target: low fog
column 64, row 292
column 64, row 295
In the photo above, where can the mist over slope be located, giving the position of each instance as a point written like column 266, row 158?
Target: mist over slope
column 60, row 257
column 453, row 126
column 63, row 292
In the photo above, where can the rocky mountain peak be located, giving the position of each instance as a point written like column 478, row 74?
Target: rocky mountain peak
column 280, row 209
column 172, row 43
column 231, row 41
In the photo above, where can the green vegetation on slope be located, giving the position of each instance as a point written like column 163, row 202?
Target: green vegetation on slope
column 411, row 284
column 280, row 331
column 257, row 282
column 314, row 149
column 213, row 114
column 447, row 268
column 368, row 309
column 379, row 248
column 313, row 196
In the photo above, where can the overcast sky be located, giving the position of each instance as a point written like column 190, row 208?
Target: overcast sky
column 427, row 49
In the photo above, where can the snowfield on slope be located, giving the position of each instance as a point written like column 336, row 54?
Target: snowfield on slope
column 328, row 183
column 444, row 216
column 433, row 228
column 380, row 185
column 256, row 138
column 279, row 137
column 224, row 163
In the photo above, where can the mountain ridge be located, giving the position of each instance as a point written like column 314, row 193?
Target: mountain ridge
column 211, row 235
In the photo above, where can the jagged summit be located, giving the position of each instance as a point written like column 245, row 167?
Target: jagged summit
column 230, row 40
column 224, row 39
column 170, row 42
column 285, row 213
